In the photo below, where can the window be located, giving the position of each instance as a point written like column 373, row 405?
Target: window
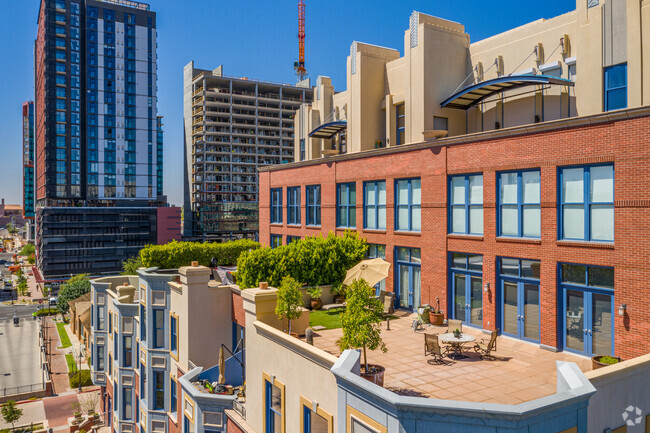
column 273, row 408
column 173, row 333
column 401, row 124
column 159, row 330
column 159, row 387
column 292, row 239
column 313, row 205
column 293, row 205
column 100, row 358
column 377, row 251
column 519, row 204
column 616, row 87
column 346, row 201
column 407, row 205
column 592, row 276
column 313, row 422
column 173, row 400
column 110, row 322
column 276, row 205
column 466, row 204
column 128, row 351
column 100, row 318
column 440, row 123
column 276, row 241
column 143, row 381
column 127, row 400
column 587, row 203
column 466, row 288
column 143, row 322
column 374, row 206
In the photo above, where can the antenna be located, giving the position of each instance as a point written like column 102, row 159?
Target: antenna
column 299, row 66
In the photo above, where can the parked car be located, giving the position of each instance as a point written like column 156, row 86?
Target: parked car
column 7, row 264
column 53, row 300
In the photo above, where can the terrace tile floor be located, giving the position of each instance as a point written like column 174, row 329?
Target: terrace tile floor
column 521, row 371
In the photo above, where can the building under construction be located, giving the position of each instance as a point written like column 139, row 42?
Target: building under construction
column 232, row 127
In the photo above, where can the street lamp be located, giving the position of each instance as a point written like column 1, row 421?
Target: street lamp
column 79, row 370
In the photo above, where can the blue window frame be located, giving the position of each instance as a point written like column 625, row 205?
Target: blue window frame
column 173, row 401
column 143, row 323
column 159, row 328
column 586, row 203
column 400, row 118
column 466, row 288
column 276, row 205
column 374, row 205
column 293, row 205
column 128, row 351
column 276, row 241
column 519, row 197
column 518, row 296
column 313, row 205
column 346, row 202
column 159, row 389
column 143, row 382
column 408, row 278
column 407, row 205
column 466, row 204
column 100, row 358
column 312, row 422
column 273, row 408
column 292, row 239
column 587, row 308
column 173, row 333
column 127, row 403
column 615, row 87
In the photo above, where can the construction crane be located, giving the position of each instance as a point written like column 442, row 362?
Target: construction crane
column 299, row 66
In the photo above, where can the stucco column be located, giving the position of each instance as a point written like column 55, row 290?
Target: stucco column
column 194, row 276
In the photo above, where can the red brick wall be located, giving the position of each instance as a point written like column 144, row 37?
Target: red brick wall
column 168, row 224
column 624, row 142
column 231, row 427
column 238, row 315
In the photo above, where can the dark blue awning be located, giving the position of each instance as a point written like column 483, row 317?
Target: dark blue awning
column 327, row 130
column 472, row 95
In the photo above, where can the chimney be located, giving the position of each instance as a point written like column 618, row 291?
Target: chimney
column 125, row 293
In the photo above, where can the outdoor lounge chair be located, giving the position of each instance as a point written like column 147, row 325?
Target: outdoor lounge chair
column 485, row 347
column 432, row 347
column 452, row 325
column 383, row 295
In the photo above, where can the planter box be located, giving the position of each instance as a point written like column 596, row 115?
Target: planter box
column 437, row 318
column 326, row 296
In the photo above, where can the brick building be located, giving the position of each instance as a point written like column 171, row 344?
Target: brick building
column 539, row 231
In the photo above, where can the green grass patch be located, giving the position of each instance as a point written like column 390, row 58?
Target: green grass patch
column 65, row 340
column 328, row 319
column 83, row 375
column 45, row 312
column 69, row 359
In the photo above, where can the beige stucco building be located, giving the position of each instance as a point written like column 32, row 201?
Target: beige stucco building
column 594, row 58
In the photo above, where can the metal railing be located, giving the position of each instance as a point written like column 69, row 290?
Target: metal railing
column 131, row 4
column 239, row 407
column 19, row 390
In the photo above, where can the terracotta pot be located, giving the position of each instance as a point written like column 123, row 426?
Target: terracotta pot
column 595, row 362
column 316, row 304
column 339, row 299
column 377, row 376
column 437, row 318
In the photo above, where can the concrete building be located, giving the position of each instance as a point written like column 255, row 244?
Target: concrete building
column 293, row 386
column 28, row 166
column 233, row 126
column 97, row 143
column 584, row 62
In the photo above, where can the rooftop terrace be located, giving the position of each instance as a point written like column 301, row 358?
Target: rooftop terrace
column 520, row 371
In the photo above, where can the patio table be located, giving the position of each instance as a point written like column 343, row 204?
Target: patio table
column 456, row 343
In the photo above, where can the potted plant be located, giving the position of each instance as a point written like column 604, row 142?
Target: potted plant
column 600, row 361
column 338, row 292
column 289, row 305
column 457, row 333
column 315, row 292
column 436, row 315
column 361, row 327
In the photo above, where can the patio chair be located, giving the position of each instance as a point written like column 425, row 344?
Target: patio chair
column 432, row 347
column 452, row 325
column 383, row 295
column 485, row 347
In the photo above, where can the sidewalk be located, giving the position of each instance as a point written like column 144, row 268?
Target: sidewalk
column 58, row 365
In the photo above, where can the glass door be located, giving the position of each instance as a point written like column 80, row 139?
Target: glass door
column 459, row 296
column 589, row 322
column 466, row 289
column 520, row 315
column 408, row 272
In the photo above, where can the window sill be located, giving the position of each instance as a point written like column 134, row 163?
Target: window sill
column 408, row 233
column 464, row 236
column 535, row 241
column 295, row 226
column 312, row 227
column 276, row 224
column 343, row 229
column 377, row 231
column 586, row 244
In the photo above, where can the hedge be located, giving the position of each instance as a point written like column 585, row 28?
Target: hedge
column 314, row 261
column 83, row 375
column 46, row 312
column 177, row 254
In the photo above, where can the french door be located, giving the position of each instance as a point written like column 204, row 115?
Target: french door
column 408, row 293
column 467, row 297
column 588, row 322
column 520, row 309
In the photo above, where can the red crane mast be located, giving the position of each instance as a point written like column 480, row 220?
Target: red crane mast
column 299, row 66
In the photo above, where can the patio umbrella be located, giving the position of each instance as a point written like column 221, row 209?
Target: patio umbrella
column 222, row 367
column 371, row 270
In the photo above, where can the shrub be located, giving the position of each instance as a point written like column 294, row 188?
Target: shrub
column 289, row 301
column 130, row 266
column 176, row 254
column 315, row 261
column 83, row 375
column 46, row 312
column 75, row 287
column 27, row 250
column 608, row 360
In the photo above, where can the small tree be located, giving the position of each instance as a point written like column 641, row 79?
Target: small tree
column 11, row 229
column 11, row 413
column 75, row 287
column 27, row 250
column 31, row 259
column 361, row 320
column 130, row 266
column 289, row 300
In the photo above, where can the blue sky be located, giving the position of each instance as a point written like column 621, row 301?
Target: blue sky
column 254, row 38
